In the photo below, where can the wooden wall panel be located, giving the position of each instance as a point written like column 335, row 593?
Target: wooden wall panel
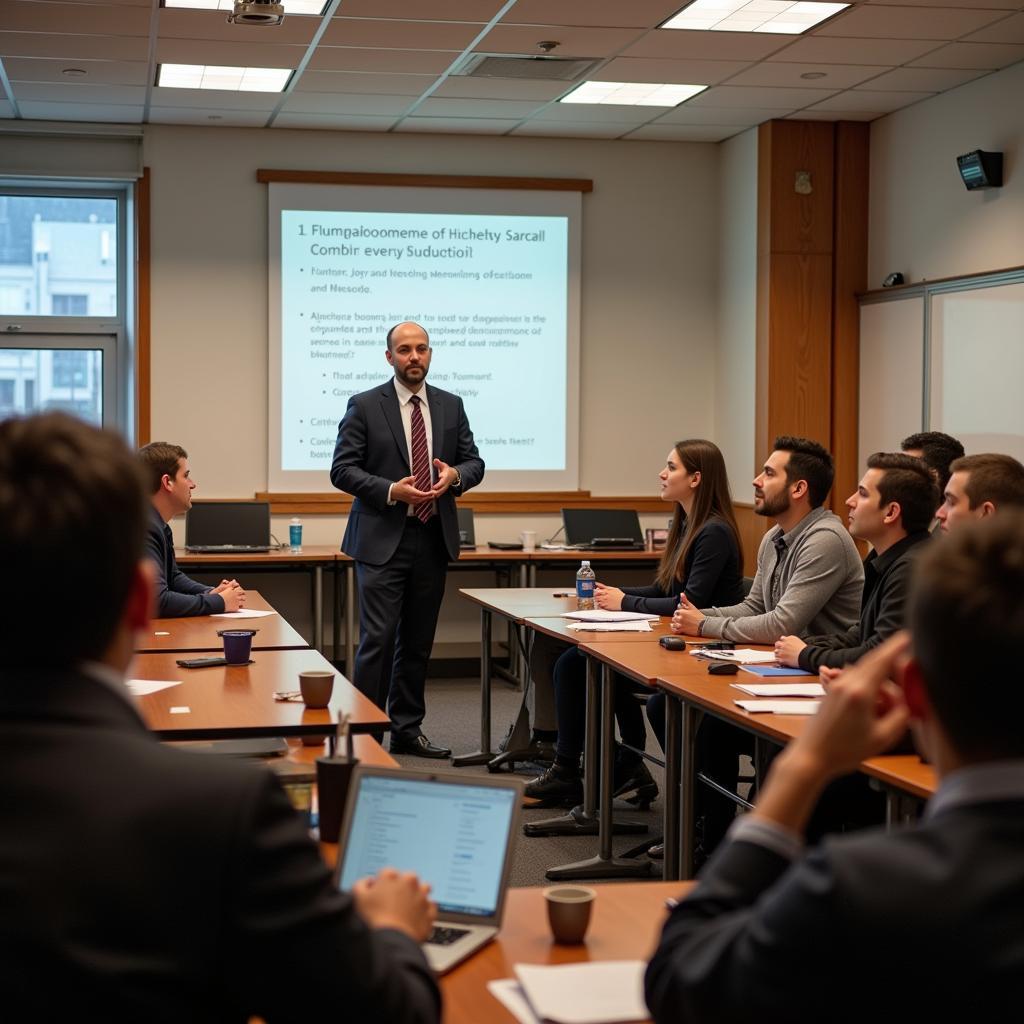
column 752, row 529
column 801, row 222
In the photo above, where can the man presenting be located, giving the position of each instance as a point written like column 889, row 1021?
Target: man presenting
column 404, row 451
column 170, row 484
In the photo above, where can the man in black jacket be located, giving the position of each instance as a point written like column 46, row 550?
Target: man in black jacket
column 140, row 882
column 890, row 510
column 916, row 924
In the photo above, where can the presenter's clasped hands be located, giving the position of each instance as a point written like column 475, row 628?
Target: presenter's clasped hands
column 446, row 477
column 686, row 619
column 399, row 901
column 406, row 490
column 609, row 598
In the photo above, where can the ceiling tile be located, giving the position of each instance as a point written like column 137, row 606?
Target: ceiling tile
column 208, row 118
column 102, row 72
column 355, row 81
column 59, row 92
column 814, row 114
column 591, row 112
column 355, row 103
column 119, row 113
column 681, row 44
column 500, row 89
column 214, row 99
column 683, row 133
column 411, row 62
column 922, row 79
column 455, row 125
column 182, row 23
column 232, row 55
column 866, row 99
column 426, row 10
column 972, row 55
column 77, row 19
column 777, row 73
column 887, row 52
column 747, row 96
column 343, row 122
column 596, row 13
column 867, row 21
column 685, row 72
column 401, row 35
column 573, row 42
column 572, row 129
column 445, row 107
column 742, row 117
column 1009, row 5
column 1009, row 30
column 72, row 47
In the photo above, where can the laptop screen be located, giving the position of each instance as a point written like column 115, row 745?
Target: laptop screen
column 455, row 836
column 582, row 525
column 228, row 522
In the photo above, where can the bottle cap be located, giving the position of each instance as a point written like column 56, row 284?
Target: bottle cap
column 586, row 563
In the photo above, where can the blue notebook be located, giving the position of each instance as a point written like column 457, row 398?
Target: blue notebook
column 768, row 671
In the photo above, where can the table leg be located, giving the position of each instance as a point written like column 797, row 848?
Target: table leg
column 484, row 754
column 671, row 832
column 336, row 616
column 318, row 608
column 350, row 619
column 688, row 788
column 604, row 865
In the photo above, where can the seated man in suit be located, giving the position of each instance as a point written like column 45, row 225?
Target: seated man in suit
column 890, row 510
column 140, row 882
column 920, row 923
column 170, row 487
column 978, row 487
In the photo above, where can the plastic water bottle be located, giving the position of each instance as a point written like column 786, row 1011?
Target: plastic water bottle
column 585, row 588
column 295, row 534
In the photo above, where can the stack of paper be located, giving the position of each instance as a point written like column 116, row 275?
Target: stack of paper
column 742, row 656
column 242, row 613
column 781, row 689
column 144, row 687
column 780, row 707
column 610, row 627
column 609, row 992
column 603, row 615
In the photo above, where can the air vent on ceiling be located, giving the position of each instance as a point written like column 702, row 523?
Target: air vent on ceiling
column 547, row 69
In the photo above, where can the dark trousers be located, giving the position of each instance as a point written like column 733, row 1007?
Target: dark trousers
column 570, row 677
column 398, row 607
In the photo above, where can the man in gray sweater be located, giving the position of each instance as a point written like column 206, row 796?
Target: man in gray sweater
column 809, row 576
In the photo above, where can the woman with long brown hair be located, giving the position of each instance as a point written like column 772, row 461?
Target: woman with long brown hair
column 702, row 560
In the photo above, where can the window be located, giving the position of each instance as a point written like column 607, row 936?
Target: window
column 69, row 305
column 43, row 379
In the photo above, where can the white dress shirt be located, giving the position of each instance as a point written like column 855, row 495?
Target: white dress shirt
column 405, row 407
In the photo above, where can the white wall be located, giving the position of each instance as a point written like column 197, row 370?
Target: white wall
column 737, row 310
column 923, row 222
column 650, row 257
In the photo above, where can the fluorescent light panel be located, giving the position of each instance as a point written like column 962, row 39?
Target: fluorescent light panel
column 315, row 7
column 201, row 76
column 632, row 94
column 789, row 17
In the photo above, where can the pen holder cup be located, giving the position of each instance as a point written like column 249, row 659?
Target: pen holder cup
column 333, row 777
column 237, row 645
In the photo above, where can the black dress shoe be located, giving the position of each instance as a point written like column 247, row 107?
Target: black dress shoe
column 634, row 784
column 657, row 851
column 418, row 746
column 557, row 787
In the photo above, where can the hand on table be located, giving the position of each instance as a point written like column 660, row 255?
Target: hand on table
column 828, row 675
column 232, row 595
column 609, row 598
column 686, row 619
column 787, row 651
column 405, row 490
column 399, row 901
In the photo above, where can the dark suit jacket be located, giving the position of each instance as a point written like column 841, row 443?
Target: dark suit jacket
column 921, row 924
column 176, row 594
column 142, row 883
column 371, row 454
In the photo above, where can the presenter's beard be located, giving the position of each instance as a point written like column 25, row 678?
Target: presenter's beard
column 412, row 382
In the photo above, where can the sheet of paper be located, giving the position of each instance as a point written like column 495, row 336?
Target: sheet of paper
column 768, row 671
column 780, row 707
column 610, row 627
column 741, row 656
column 604, row 992
column 510, row 994
column 144, row 687
column 782, row 689
column 604, row 615
column 242, row 613
column 182, row 709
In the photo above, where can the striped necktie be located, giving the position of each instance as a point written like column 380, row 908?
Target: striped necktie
column 420, row 461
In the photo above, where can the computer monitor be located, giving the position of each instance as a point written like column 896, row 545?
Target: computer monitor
column 228, row 526
column 602, row 527
column 467, row 532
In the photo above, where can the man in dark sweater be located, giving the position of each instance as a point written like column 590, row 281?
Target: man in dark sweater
column 170, row 483
column 890, row 510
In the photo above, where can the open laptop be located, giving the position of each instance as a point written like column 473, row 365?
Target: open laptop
column 454, row 832
column 612, row 528
column 228, row 527
column 467, row 532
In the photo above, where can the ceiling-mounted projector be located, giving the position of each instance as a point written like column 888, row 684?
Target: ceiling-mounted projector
column 257, row 12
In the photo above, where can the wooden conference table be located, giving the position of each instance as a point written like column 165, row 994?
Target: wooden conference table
column 196, row 633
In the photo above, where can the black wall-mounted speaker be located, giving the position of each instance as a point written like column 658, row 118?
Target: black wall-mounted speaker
column 980, row 169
